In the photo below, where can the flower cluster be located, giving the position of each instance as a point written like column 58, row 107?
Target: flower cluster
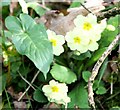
column 86, row 33
column 82, row 38
column 56, row 92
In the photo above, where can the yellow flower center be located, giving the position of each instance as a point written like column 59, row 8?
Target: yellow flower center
column 77, row 40
column 54, row 42
column 87, row 26
column 55, row 89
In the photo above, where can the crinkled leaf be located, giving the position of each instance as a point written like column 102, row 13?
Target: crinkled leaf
column 22, row 84
column 101, row 90
column 41, row 78
column 15, row 66
column 3, row 83
column 97, row 84
column 31, row 41
column 82, row 56
column 79, row 97
column 86, row 75
column 63, row 74
column 38, row 9
column 39, row 96
column 108, row 36
column 95, row 56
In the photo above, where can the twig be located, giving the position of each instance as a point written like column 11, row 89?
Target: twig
column 43, row 6
column 26, row 80
column 96, row 69
column 109, row 13
column 29, row 85
column 86, row 8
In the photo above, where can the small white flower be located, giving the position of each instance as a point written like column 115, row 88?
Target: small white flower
column 56, row 92
column 90, row 30
column 110, row 27
column 89, row 24
column 85, row 23
column 76, row 40
column 57, row 42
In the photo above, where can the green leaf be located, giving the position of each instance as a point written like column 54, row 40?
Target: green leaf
column 86, row 75
column 32, row 42
column 97, row 84
column 108, row 36
column 7, row 34
column 39, row 96
column 15, row 66
column 3, row 83
column 41, row 78
column 76, row 3
column 13, row 24
column 0, row 42
column 38, row 9
column 22, row 84
column 27, row 22
column 95, row 56
column 5, row 3
column 79, row 97
column 81, row 56
column 101, row 90
column 63, row 74
column 102, row 69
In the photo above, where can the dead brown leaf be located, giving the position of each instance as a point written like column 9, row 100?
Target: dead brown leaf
column 19, row 105
column 62, row 24
column 14, row 95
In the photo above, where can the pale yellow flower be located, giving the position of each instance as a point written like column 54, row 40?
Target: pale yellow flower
column 76, row 40
column 57, row 42
column 89, row 26
column 56, row 92
column 86, row 23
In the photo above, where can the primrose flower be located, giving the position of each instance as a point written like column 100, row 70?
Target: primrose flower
column 57, row 42
column 86, row 23
column 89, row 24
column 56, row 92
column 77, row 40
column 86, row 33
